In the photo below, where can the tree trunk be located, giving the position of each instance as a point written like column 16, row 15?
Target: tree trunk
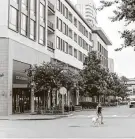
column 98, row 98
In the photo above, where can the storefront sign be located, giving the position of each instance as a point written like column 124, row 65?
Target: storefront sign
column 20, row 78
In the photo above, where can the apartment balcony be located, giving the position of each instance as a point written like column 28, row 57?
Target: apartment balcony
column 50, row 27
column 51, row 8
column 50, row 46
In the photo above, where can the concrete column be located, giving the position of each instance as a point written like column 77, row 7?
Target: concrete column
column 68, row 96
column 32, row 101
column 77, row 97
column 57, row 97
column 49, row 101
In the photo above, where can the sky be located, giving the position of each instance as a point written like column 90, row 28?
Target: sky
column 123, row 60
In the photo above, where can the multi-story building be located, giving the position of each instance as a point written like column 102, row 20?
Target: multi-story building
column 131, row 86
column 100, row 40
column 73, row 36
column 33, row 31
column 101, row 43
column 23, row 42
column 88, row 9
column 111, row 65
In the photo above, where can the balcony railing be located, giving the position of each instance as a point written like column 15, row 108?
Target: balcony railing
column 50, row 44
column 50, row 25
column 51, row 6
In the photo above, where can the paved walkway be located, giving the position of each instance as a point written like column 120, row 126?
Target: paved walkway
column 33, row 117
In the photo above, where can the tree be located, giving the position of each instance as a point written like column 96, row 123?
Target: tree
column 49, row 77
column 124, row 79
column 46, row 78
column 125, row 11
column 119, row 88
column 93, row 75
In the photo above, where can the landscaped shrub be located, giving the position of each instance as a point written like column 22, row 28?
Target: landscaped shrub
column 88, row 105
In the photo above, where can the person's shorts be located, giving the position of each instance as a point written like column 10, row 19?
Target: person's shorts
column 100, row 114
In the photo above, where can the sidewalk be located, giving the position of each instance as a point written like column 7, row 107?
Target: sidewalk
column 33, row 117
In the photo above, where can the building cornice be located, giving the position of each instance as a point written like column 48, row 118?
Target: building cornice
column 102, row 35
column 77, row 12
column 97, row 30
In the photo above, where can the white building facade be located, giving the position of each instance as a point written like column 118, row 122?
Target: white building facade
column 33, row 31
column 101, row 43
column 88, row 9
column 111, row 65
column 22, row 43
column 131, row 86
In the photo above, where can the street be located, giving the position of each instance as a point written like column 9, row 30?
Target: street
column 119, row 122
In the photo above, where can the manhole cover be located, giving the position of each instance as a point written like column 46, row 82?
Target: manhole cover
column 74, row 126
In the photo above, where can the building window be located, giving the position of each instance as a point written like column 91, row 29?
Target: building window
column 13, row 19
column 84, row 56
column 90, row 37
column 66, row 47
column 67, row 30
column 58, row 43
column 63, row 10
column 98, row 46
column 86, row 46
column 90, row 48
column 32, row 29
column 79, row 40
column 60, row 25
column 24, row 24
column 33, row 6
column 25, row 4
column 70, row 50
column 86, row 34
column 42, row 35
column 75, row 37
column 57, row 23
column 58, row 5
column 64, row 28
column 70, row 33
column 80, row 56
column 75, row 53
column 42, row 12
column 66, row 12
column 70, row 17
column 63, row 46
column 61, row 7
column 75, row 21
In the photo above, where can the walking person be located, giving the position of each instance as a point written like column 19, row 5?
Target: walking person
column 99, row 112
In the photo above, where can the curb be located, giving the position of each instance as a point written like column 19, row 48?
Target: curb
column 54, row 118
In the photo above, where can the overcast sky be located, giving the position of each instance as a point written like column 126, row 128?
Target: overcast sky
column 124, row 60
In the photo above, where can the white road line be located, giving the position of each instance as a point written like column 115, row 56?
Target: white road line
column 91, row 116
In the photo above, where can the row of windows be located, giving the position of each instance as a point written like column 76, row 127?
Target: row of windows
column 25, row 23
column 102, row 50
column 64, row 10
column 68, row 49
column 61, row 26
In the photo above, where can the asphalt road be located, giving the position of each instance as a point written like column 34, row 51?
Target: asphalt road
column 119, row 122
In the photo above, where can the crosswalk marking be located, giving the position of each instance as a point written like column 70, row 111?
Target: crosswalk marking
column 105, row 116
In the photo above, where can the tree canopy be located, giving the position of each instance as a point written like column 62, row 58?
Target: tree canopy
column 125, row 11
column 99, row 81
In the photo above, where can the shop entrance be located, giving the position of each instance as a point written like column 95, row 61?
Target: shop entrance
column 21, row 100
